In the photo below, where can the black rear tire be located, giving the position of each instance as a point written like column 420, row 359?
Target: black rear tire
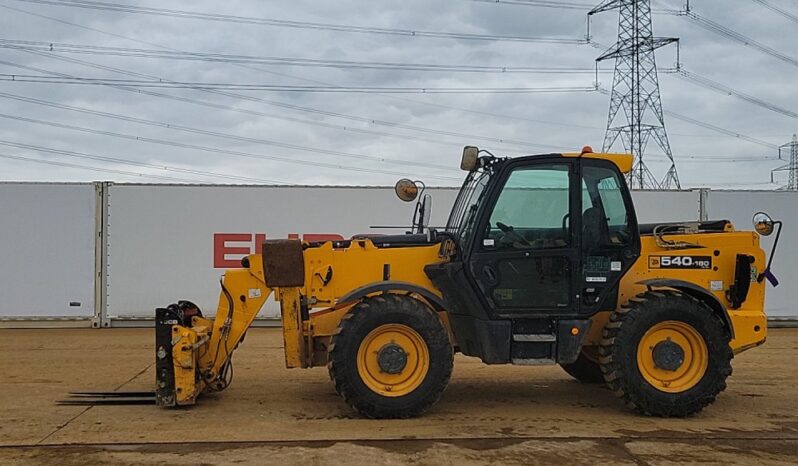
column 619, row 353
column 585, row 369
column 373, row 313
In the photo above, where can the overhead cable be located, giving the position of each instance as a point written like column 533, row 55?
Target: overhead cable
column 723, row 89
column 99, row 169
column 139, row 83
column 208, row 104
column 215, row 150
column 281, row 61
column 188, row 129
column 302, row 24
column 781, row 11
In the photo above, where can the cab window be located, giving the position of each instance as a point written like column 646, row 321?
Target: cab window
column 605, row 219
column 531, row 211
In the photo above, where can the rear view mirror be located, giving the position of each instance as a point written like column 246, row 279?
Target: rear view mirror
column 406, row 190
column 470, row 157
column 763, row 224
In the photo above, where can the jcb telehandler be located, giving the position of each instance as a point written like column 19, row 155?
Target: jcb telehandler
column 542, row 261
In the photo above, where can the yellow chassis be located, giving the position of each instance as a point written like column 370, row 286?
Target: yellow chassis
column 200, row 352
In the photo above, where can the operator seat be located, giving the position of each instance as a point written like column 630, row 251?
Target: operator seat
column 595, row 230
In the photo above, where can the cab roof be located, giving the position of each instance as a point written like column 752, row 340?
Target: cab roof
column 622, row 161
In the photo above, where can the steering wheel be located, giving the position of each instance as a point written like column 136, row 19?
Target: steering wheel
column 623, row 235
column 565, row 223
column 509, row 231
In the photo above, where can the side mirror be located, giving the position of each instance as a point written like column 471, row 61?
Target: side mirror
column 763, row 224
column 470, row 158
column 406, row 190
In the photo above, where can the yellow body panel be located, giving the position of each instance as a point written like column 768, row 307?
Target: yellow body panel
column 361, row 264
column 622, row 161
column 331, row 273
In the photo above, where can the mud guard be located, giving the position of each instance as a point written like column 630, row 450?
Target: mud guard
column 391, row 285
column 697, row 292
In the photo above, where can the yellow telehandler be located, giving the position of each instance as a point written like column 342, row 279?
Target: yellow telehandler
column 542, row 261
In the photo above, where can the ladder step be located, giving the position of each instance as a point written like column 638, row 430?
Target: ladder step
column 533, row 362
column 535, row 337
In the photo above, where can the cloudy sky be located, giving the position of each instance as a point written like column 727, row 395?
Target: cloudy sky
column 145, row 134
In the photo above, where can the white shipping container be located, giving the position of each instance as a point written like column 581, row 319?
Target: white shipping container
column 47, row 255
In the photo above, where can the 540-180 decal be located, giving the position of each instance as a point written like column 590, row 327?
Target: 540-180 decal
column 680, row 262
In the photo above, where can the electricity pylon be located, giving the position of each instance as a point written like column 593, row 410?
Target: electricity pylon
column 635, row 114
column 792, row 166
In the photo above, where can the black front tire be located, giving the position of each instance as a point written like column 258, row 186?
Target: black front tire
column 356, row 325
column 619, row 346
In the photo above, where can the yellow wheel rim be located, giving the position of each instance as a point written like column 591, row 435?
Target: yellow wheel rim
column 400, row 379
column 679, row 373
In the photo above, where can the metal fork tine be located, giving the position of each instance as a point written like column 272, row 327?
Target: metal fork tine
column 106, row 401
column 112, row 394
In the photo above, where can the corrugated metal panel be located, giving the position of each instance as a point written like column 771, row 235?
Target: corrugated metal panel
column 667, row 206
column 47, row 267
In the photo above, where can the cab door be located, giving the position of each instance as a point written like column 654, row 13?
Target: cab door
column 525, row 258
column 610, row 240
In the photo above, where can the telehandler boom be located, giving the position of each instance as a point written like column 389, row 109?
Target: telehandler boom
column 542, row 261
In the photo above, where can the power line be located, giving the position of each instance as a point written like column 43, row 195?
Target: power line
column 709, row 126
column 94, row 168
column 722, row 30
column 302, row 24
column 367, row 120
column 718, row 129
column 778, row 10
column 269, row 102
column 83, row 155
column 285, row 117
column 542, row 4
column 714, row 158
column 138, row 83
column 188, row 129
column 723, row 89
column 280, row 61
column 310, row 109
column 214, row 149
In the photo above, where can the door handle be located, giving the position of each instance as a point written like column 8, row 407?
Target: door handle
column 490, row 274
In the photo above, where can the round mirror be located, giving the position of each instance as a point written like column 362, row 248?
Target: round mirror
column 763, row 224
column 406, row 190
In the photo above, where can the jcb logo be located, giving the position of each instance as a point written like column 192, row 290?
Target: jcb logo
column 679, row 262
column 653, row 262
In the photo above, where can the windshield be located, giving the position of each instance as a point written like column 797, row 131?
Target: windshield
column 464, row 211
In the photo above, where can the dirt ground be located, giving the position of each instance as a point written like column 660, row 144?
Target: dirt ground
column 489, row 414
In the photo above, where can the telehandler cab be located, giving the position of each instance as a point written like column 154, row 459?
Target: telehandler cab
column 542, row 261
